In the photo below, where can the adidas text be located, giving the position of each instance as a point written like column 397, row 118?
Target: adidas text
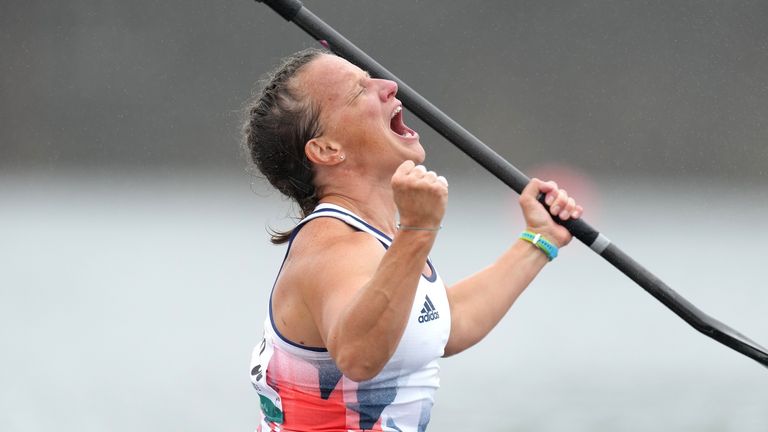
column 429, row 317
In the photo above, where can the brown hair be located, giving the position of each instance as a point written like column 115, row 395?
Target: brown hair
column 280, row 119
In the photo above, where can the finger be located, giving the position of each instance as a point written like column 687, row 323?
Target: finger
column 532, row 189
column 550, row 198
column 431, row 176
column 420, row 168
column 550, row 189
column 568, row 210
column 442, row 180
column 577, row 212
column 560, row 202
column 548, row 186
column 570, row 205
column 405, row 167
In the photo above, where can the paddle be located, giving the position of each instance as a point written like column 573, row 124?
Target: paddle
column 294, row 11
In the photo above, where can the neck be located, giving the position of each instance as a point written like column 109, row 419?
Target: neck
column 373, row 202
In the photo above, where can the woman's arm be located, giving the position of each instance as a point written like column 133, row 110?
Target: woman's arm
column 360, row 299
column 480, row 301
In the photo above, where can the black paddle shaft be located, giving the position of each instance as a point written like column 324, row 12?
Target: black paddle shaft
column 294, row 11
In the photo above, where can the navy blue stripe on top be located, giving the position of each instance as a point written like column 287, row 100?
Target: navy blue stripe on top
column 432, row 277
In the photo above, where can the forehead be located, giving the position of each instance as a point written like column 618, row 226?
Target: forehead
column 329, row 78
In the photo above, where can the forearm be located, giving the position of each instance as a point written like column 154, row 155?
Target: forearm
column 480, row 301
column 368, row 330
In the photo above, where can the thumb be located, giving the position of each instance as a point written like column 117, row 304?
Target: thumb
column 405, row 167
column 536, row 189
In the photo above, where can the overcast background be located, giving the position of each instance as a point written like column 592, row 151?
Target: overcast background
column 134, row 264
column 622, row 87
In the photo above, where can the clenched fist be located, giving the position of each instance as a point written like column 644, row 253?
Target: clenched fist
column 560, row 204
column 420, row 195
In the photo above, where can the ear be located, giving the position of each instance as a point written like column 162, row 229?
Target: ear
column 323, row 152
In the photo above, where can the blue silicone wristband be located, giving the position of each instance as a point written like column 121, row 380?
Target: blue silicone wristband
column 537, row 240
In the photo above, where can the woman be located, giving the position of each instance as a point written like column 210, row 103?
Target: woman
column 358, row 315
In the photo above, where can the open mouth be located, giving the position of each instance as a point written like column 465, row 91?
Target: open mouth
column 398, row 127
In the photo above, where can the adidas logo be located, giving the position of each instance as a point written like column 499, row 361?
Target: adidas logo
column 428, row 312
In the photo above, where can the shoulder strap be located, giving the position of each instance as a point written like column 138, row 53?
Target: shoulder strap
column 346, row 216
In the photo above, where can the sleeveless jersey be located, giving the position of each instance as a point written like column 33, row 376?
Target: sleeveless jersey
column 301, row 389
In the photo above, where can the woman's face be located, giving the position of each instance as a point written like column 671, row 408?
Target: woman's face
column 361, row 114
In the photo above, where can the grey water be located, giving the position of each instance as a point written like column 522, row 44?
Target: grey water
column 131, row 302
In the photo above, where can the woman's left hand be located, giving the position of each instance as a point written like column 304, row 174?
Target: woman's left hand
column 538, row 220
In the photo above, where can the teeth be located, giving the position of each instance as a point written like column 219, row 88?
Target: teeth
column 397, row 111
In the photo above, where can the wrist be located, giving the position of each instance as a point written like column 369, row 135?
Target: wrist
column 549, row 248
column 418, row 224
column 549, row 233
column 428, row 233
column 406, row 227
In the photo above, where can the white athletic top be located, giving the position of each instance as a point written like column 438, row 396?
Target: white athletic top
column 301, row 389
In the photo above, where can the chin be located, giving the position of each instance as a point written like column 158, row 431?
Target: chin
column 411, row 150
column 416, row 155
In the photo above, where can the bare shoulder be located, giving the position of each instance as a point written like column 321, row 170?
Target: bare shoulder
column 326, row 244
column 327, row 263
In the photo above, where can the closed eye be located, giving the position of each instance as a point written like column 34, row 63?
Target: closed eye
column 358, row 94
column 363, row 88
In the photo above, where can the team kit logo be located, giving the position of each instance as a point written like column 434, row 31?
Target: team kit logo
column 428, row 312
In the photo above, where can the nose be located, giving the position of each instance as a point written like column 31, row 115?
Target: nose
column 387, row 89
